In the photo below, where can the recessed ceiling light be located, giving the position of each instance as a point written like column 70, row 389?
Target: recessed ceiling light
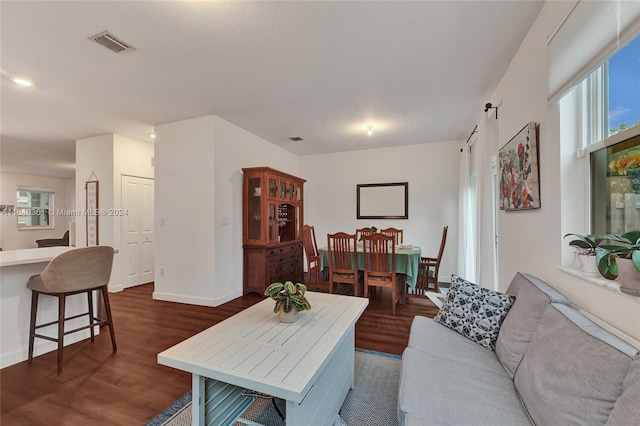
column 22, row 82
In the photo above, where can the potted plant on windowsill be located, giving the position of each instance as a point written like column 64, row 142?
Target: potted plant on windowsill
column 621, row 261
column 289, row 299
column 586, row 246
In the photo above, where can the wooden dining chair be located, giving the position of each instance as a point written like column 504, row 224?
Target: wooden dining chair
column 428, row 270
column 362, row 231
column 395, row 233
column 313, row 258
column 380, row 265
column 343, row 261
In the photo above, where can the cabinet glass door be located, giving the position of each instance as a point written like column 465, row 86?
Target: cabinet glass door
column 299, row 193
column 283, row 190
column 254, row 202
column 273, row 187
column 273, row 222
column 286, row 226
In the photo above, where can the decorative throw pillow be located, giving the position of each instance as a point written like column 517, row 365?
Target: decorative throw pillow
column 474, row 311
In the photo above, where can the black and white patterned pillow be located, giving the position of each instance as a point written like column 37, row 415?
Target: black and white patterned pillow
column 474, row 311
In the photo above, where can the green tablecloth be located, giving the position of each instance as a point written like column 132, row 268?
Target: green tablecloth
column 407, row 261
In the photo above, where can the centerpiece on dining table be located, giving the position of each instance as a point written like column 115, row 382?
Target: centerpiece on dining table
column 290, row 300
column 372, row 231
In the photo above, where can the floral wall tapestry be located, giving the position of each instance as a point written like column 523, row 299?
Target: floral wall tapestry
column 519, row 178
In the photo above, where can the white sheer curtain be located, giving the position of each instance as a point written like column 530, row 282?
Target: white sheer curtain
column 477, row 205
column 466, row 221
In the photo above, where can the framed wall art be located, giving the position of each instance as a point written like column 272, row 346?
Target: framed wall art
column 382, row 200
column 91, row 187
column 519, row 171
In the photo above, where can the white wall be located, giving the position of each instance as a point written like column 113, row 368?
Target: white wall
column 94, row 161
column 432, row 171
column 70, row 203
column 236, row 148
column 109, row 157
column 134, row 158
column 531, row 241
column 184, row 209
column 198, row 173
column 14, row 239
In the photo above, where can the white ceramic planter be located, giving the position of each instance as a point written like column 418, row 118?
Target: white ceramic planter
column 291, row 316
column 589, row 265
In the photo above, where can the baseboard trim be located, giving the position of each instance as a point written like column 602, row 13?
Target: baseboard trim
column 192, row 300
column 115, row 288
column 41, row 347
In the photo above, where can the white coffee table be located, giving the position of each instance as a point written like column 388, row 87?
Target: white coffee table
column 309, row 363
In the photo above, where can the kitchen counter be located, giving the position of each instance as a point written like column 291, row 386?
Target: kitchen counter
column 34, row 255
column 16, row 266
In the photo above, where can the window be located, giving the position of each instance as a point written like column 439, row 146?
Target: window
column 611, row 95
column 611, row 106
column 615, row 187
column 624, row 88
column 33, row 208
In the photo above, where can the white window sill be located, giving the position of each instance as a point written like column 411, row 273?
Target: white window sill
column 599, row 281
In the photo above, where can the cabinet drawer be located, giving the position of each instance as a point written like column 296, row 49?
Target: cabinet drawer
column 284, row 250
column 288, row 257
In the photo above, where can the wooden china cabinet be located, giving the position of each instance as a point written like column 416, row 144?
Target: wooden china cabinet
column 272, row 212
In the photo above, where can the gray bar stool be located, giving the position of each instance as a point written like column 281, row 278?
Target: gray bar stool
column 81, row 270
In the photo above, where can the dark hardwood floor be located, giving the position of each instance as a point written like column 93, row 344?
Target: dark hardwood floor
column 99, row 387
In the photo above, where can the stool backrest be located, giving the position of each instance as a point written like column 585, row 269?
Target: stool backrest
column 79, row 269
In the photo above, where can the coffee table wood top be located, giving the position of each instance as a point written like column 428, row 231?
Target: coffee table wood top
column 253, row 349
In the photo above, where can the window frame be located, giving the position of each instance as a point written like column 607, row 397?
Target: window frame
column 51, row 208
column 593, row 99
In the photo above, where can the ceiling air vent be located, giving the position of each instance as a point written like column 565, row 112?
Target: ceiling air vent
column 111, row 42
column 296, row 138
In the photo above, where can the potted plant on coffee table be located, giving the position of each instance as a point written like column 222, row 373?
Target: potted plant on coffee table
column 621, row 261
column 586, row 252
column 289, row 299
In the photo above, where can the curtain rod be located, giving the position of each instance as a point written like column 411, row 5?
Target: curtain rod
column 472, row 132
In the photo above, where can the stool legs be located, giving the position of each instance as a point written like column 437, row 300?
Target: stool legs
column 61, row 320
column 32, row 323
column 90, row 305
column 61, row 306
column 107, row 308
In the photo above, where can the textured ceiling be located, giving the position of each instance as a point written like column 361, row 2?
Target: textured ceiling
column 419, row 71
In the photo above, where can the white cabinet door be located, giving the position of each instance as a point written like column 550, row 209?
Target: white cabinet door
column 137, row 231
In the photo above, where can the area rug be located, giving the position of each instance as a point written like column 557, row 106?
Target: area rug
column 372, row 401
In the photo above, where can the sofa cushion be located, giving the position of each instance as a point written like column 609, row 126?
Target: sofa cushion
column 572, row 371
column 474, row 311
column 430, row 336
column 533, row 296
column 626, row 410
column 413, row 420
column 441, row 391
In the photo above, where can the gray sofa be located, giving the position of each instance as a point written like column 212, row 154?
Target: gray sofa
column 552, row 366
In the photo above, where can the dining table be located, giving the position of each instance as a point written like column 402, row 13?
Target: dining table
column 407, row 261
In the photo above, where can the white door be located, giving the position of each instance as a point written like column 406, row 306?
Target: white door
column 137, row 231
